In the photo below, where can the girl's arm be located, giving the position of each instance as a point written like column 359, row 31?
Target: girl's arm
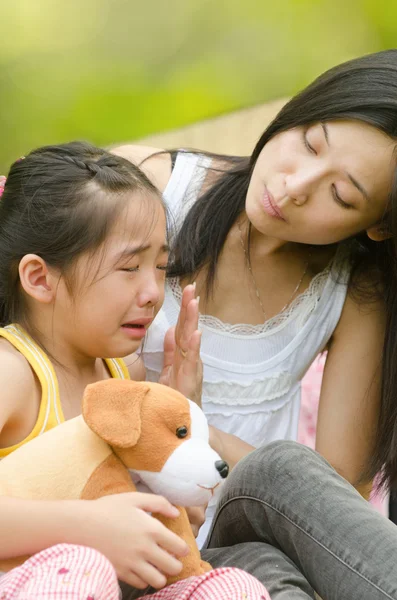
column 29, row 526
column 20, row 397
column 140, row 547
column 350, row 392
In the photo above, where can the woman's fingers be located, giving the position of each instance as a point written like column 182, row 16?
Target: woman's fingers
column 193, row 353
column 182, row 367
column 190, row 326
column 185, row 316
column 169, row 348
column 192, row 316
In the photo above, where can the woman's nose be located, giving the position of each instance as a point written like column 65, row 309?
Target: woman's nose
column 301, row 184
column 296, row 189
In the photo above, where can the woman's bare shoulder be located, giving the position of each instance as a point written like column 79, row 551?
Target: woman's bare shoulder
column 154, row 162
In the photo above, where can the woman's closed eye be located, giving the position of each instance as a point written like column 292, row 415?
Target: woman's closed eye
column 334, row 191
column 307, row 144
column 338, row 199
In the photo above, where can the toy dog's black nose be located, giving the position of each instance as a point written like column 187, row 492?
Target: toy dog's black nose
column 223, row 468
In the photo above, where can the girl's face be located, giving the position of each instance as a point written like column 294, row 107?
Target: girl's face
column 321, row 184
column 121, row 288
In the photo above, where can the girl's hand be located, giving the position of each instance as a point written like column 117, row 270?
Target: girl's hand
column 142, row 550
column 183, row 369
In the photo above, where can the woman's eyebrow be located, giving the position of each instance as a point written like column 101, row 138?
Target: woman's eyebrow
column 326, row 134
column 358, row 185
column 354, row 181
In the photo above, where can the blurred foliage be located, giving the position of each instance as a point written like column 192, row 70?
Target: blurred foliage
column 114, row 70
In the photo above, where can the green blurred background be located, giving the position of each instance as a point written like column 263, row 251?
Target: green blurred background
column 115, row 70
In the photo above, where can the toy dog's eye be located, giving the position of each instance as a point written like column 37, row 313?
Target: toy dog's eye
column 181, row 432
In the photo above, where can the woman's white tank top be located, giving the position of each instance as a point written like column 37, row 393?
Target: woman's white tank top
column 252, row 373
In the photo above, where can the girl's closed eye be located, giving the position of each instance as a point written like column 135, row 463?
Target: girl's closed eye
column 130, row 269
column 136, row 269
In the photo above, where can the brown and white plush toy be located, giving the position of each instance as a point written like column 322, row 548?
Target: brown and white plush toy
column 128, row 432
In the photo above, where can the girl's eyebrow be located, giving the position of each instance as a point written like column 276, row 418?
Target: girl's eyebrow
column 134, row 250
column 354, row 181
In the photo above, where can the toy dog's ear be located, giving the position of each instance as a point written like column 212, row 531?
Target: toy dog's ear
column 112, row 409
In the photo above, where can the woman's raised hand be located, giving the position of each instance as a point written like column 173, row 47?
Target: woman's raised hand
column 183, row 369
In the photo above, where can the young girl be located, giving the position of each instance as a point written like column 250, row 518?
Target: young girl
column 292, row 253
column 83, row 254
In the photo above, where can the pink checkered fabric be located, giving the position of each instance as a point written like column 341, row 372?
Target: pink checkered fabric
column 62, row 572
column 68, row 572
column 220, row 584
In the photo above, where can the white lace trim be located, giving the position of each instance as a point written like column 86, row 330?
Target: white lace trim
column 232, row 393
column 305, row 303
column 270, row 391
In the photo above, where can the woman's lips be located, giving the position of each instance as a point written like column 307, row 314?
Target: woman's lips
column 270, row 207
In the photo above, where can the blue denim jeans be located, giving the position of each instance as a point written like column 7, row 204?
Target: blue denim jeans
column 289, row 519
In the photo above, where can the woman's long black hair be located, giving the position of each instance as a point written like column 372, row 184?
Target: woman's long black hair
column 364, row 89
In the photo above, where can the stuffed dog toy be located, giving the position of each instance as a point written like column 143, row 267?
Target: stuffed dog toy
column 130, row 434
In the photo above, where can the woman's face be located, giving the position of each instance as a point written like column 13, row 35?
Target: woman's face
column 321, row 184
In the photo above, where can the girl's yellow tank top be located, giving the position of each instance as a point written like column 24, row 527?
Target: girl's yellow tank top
column 50, row 412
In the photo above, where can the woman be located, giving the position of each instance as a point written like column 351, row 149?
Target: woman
column 292, row 252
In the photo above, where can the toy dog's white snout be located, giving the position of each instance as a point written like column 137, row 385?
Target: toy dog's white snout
column 193, row 472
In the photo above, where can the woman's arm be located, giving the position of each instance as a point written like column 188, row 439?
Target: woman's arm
column 350, row 393
column 229, row 446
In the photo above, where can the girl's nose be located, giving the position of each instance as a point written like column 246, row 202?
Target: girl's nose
column 151, row 293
